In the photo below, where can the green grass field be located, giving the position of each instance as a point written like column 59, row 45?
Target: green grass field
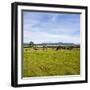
column 50, row 62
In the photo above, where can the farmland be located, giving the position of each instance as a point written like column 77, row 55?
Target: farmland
column 50, row 62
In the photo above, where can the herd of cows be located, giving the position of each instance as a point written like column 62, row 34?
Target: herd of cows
column 67, row 47
column 56, row 47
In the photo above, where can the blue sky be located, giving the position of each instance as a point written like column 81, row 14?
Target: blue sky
column 41, row 27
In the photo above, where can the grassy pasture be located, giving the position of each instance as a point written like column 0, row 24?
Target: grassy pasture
column 50, row 62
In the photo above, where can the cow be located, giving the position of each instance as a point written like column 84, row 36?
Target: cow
column 58, row 48
column 44, row 47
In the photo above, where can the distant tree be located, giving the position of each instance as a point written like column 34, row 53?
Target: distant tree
column 31, row 44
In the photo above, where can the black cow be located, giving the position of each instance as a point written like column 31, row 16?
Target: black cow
column 58, row 48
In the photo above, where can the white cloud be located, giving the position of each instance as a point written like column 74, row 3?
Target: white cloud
column 39, row 37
